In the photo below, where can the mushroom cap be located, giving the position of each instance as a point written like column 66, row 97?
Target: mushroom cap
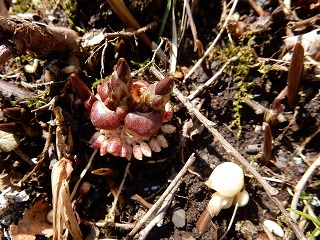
column 241, row 198
column 227, row 179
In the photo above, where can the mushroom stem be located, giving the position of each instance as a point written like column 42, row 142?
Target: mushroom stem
column 228, row 181
column 216, row 203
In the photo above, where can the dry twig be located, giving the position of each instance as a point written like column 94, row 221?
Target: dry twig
column 156, row 206
column 214, row 42
column 160, row 214
column 256, row 7
column 211, row 80
column 300, row 185
column 83, row 173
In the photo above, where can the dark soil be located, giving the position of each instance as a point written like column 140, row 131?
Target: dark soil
column 150, row 177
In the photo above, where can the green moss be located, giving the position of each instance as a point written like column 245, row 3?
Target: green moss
column 70, row 7
column 240, row 71
column 33, row 101
column 22, row 6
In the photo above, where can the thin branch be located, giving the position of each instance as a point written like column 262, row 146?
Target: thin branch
column 83, row 173
column 214, row 42
column 156, row 206
column 211, row 80
column 256, row 8
column 160, row 215
column 130, row 34
column 301, row 184
column 174, row 46
column 114, row 204
column 192, row 25
column 299, row 150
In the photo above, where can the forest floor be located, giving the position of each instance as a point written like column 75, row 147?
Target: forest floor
column 261, row 110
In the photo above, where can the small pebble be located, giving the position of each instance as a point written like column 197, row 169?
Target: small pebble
column 258, row 129
column 253, row 149
column 297, row 160
column 179, row 218
column 273, row 227
column 281, row 162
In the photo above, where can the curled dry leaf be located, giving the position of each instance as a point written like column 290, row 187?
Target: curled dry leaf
column 34, row 222
column 63, row 214
column 8, row 141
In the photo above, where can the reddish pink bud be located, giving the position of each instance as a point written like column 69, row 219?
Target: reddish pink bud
column 114, row 146
column 144, row 124
column 165, row 86
column 104, row 148
column 104, row 118
column 122, row 71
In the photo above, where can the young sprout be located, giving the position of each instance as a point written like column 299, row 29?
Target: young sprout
column 227, row 180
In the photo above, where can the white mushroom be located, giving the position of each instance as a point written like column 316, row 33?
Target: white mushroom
column 228, row 181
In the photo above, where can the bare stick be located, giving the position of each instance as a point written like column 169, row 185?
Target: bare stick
column 305, row 142
column 256, row 7
column 259, row 109
column 174, row 46
column 211, row 80
column 156, row 206
column 192, row 25
column 230, row 149
column 114, row 204
column 130, row 34
column 214, row 42
column 160, row 215
column 303, row 23
column 300, row 185
column 141, row 201
column 83, row 173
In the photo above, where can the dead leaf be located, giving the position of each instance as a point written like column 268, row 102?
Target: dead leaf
column 34, row 222
column 8, row 141
column 63, row 214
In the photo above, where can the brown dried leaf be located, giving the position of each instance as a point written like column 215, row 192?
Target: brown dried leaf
column 8, row 141
column 68, row 214
column 63, row 214
column 34, row 222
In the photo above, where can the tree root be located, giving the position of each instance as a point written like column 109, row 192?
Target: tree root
column 19, row 36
